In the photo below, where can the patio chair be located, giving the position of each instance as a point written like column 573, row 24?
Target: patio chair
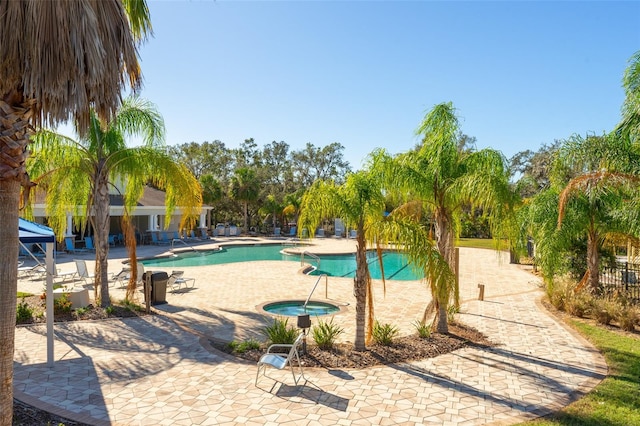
column 83, row 272
column 176, row 279
column 88, row 244
column 124, row 275
column 121, row 277
column 157, row 241
column 30, row 271
column 70, row 246
column 282, row 360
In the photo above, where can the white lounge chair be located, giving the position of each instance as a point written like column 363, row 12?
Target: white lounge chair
column 176, row 279
column 124, row 275
column 282, row 360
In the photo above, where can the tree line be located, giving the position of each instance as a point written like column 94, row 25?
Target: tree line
column 259, row 187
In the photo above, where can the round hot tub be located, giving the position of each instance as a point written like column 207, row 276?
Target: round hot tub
column 293, row 308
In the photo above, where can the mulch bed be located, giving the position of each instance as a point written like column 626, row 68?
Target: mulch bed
column 403, row 349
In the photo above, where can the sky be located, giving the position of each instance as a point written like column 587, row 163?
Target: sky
column 365, row 73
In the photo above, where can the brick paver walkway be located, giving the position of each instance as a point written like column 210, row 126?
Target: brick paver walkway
column 151, row 371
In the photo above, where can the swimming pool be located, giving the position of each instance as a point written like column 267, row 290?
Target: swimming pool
column 396, row 265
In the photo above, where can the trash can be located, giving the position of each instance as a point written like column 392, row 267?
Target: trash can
column 158, row 286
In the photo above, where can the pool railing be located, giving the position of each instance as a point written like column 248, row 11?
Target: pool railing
column 311, row 255
column 326, row 288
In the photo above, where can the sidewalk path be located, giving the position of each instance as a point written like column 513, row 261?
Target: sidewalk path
column 150, row 371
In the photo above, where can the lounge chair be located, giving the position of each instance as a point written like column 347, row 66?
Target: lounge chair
column 176, row 279
column 233, row 231
column 83, row 272
column 88, row 244
column 70, row 246
column 276, row 232
column 31, row 271
column 155, row 240
column 124, row 275
column 282, row 360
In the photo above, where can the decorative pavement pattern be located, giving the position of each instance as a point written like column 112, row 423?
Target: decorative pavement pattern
column 160, row 370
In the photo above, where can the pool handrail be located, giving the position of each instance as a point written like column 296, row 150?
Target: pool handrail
column 326, row 288
column 179, row 240
column 311, row 255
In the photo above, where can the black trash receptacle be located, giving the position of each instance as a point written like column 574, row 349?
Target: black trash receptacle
column 158, row 286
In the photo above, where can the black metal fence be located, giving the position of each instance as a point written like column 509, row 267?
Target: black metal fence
column 622, row 279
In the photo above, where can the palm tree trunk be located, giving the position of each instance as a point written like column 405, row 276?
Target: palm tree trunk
column 446, row 247
column 442, row 322
column 360, row 292
column 101, row 220
column 9, row 196
column 593, row 261
column 15, row 114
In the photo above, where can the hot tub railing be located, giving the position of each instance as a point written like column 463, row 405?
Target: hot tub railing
column 326, row 289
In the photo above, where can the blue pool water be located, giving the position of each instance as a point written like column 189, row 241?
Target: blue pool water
column 396, row 265
column 295, row 308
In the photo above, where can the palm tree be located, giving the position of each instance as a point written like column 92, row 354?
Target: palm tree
column 593, row 176
column 629, row 127
column 245, row 188
column 77, row 175
column 57, row 63
column 360, row 201
column 271, row 208
column 443, row 178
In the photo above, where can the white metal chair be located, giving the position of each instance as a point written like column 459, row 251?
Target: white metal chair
column 282, row 360
column 83, row 272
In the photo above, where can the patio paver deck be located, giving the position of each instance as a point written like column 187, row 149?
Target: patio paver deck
column 151, row 371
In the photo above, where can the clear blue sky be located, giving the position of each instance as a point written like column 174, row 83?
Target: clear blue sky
column 364, row 73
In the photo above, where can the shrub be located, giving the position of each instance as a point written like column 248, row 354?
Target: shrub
column 384, row 334
column 578, row 304
column 132, row 306
column 424, row 329
column 81, row 311
column 109, row 309
column 62, row 305
column 242, row 347
column 626, row 317
column 24, row 312
column 604, row 310
column 451, row 313
column 280, row 332
column 556, row 294
column 325, row 334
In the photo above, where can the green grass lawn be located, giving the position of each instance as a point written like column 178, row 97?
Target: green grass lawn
column 616, row 400
column 487, row 243
column 23, row 294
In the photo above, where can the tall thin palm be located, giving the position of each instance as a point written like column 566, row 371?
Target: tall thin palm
column 77, row 175
column 57, row 63
column 360, row 202
column 443, row 178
